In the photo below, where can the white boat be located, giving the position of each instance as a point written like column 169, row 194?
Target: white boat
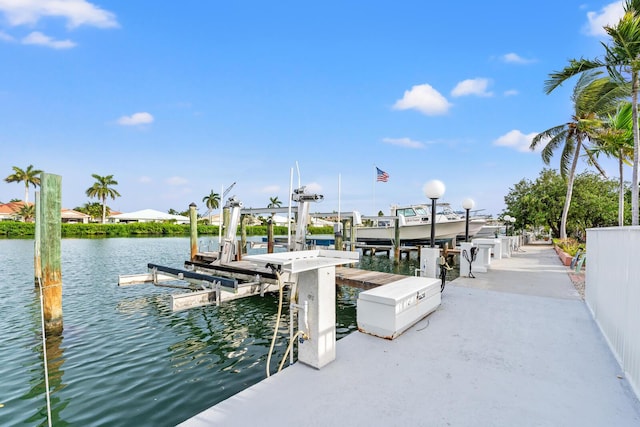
column 414, row 225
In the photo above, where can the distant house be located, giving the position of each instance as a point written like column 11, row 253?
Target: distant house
column 74, row 217
column 148, row 215
column 10, row 211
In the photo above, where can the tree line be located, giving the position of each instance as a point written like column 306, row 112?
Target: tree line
column 605, row 113
column 102, row 188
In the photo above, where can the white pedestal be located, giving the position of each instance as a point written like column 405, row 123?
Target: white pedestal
column 483, row 259
column 430, row 262
column 505, row 242
column 318, row 289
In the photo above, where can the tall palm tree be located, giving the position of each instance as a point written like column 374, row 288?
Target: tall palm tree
column 592, row 95
column 101, row 189
column 615, row 139
column 212, row 201
column 28, row 176
column 274, row 202
column 622, row 61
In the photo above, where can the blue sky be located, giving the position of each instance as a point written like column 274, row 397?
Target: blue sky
column 175, row 99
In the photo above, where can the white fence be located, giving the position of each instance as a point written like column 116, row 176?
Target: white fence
column 613, row 293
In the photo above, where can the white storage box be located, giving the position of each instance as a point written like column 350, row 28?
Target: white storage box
column 389, row 310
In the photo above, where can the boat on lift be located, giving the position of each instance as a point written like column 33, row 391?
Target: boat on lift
column 414, row 225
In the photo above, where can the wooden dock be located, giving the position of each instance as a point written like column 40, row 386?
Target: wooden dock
column 364, row 279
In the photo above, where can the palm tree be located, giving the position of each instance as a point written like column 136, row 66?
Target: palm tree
column 615, row 139
column 28, row 176
column 101, row 189
column 27, row 212
column 274, row 202
column 212, row 201
column 622, row 61
column 591, row 96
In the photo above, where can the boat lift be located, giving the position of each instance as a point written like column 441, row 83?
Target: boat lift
column 225, row 279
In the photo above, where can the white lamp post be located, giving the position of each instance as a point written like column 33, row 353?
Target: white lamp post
column 467, row 204
column 513, row 225
column 506, row 219
column 433, row 189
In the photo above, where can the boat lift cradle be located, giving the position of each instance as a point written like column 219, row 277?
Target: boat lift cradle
column 223, row 279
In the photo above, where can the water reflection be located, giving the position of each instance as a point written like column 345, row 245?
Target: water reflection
column 55, row 361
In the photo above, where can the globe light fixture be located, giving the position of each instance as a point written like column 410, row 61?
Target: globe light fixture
column 506, row 219
column 433, row 189
column 467, row 205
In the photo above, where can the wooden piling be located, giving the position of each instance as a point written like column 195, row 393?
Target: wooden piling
column 396, row 243
column 193, row 226
column 50, row 244
column 243, row 234
column 337, row 235
column 270, row 235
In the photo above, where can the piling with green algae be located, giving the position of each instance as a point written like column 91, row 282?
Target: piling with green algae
column 193, row 226
column 49, row 224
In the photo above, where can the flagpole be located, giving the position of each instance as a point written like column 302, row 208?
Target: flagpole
column 339, row 185
column 374, row 190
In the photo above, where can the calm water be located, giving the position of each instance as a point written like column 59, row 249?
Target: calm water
column 124, row 358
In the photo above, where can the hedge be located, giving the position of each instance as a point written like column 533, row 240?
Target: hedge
column 25, row 229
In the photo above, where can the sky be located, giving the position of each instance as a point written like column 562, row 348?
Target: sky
column 178, row 99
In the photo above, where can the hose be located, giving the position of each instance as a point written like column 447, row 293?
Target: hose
column 44, row 354
column 275, row 329
column 474, row 253
column 290, row 346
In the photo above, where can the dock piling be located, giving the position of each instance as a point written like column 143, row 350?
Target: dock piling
column 49, row 223
column 193, row 223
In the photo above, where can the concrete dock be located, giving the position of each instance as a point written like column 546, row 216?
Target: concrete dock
column 515, row 346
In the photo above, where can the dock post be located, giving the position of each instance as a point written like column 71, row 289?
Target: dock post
column 270, row 235
column 243, row 234
column 396, row 242
column 193, row 223
column 37, row 266
column 337, row 235
column 49, row 223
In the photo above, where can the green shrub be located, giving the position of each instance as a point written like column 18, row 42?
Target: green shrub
column 569, row 245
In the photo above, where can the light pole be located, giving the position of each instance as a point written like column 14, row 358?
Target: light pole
column 433, row 189
column 506, row 220
column 513, row 226
column 467, row 204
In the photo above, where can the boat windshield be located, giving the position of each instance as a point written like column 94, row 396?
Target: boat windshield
column 420, row 211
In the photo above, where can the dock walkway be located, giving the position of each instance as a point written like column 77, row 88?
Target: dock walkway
column 516, row 346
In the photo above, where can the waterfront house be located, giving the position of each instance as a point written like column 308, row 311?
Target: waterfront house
column 147, row 215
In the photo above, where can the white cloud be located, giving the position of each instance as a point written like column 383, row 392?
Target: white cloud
column 6, row 37
column 477, row 86
column 76, row 12
column 40, row 39
column 313, row 187
column 136, row 119
column 511, row 92
column 608, row 15
column 145, row 180
column 516, row 140
column 403, row 142
column 425, row 99
column 514, row 58
column 177, row 180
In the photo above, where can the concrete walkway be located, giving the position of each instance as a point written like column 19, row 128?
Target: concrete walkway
column 515, row 346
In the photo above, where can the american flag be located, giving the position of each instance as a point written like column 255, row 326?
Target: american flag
column 382, row 175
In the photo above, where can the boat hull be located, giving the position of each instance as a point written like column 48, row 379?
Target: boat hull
column 419, row 233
